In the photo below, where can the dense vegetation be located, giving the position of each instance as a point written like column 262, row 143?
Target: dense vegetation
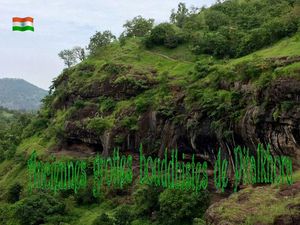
column 191, row 66
column 230, row 29
column 12, row 124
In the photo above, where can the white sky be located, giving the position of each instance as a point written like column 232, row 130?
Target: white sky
column 62, row 24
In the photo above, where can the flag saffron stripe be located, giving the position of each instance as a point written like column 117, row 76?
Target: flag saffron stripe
column 17, row 28
column 26, row 19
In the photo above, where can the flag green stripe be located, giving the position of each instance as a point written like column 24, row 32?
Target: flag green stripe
column 16, row 28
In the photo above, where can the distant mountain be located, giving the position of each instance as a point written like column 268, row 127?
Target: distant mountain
column 18, row 94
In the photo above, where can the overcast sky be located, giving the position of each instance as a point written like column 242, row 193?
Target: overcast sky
column 62, row 24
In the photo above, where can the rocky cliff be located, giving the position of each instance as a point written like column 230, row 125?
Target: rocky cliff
column 119, row 104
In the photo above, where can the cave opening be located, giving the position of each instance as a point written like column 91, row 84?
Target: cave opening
column 81, row 146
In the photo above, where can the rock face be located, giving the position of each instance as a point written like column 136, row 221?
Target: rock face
column 111, row 109
column 261, row 124
column 268, row 123
column 269, row 115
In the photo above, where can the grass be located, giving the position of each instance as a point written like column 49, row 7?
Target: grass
column 133, row 54
column 291, row 70
column 296, row 176
column 11, row 172
column 30, row 144
column 261, row 204
column 285, row 47
column 86, row 215
column 6, row 115
column 182, row 52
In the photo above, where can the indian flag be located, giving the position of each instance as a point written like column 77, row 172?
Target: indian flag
column 22, row 24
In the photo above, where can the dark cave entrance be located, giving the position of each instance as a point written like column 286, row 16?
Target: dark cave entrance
column 79, row 145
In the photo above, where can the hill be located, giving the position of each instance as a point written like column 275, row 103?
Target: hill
column 142, row 96
column 127, row 95
column 18, row 94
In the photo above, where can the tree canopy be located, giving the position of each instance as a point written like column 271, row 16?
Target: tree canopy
column 138, row 27
column 100, row 39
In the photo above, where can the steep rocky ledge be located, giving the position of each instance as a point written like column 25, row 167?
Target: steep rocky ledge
column 265, row 122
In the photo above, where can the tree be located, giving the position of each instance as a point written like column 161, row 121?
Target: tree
column 138, row 27
column 213, row 43
column 181, row 207
column 79, row 53
column 40, row 209
column 68, row 57
column 215, row 19
column 99, row 40
column 179, row 17
column 163, row 34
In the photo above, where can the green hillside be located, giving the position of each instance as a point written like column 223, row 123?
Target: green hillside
column 218, row 77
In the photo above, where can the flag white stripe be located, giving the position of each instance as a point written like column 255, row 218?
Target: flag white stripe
column 22, row 24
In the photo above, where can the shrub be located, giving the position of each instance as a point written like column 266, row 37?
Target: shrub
column 85, row 196
column 130, row 122
column 142, row 222
column 249, row 70
column 143, row 104
column 38, row 124
column 86, row 67
column 287, row 105
column 79, row 104
column 14, row 193
column 163, row 34
column 172, row 41
column 38, row 209
column 254, row 40
column 107, row 104
column 212, row 43
column 123, row 215
column 103, row 219
column 202, row 69
column 66, row 193
column 159, row 33
column 113, row 69
column 131, row 82
column 122, row 39
column 99, row 124
column 6, row 213
column 279, row 28
column 181, row 207
column 11, row 150
column 198, row 221
column 146, row 200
